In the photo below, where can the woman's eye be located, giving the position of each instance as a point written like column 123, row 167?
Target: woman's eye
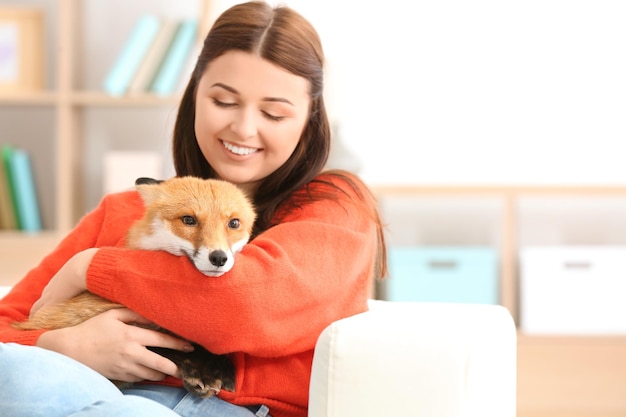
column 233, row 224
column 272, row 117
column 189, row 220
column 219, row 103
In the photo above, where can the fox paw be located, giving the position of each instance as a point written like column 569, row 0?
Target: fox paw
column 200, row 388
column 203, row 373
column 203, row 385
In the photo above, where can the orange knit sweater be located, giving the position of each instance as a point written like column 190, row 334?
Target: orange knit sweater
column 287, row 285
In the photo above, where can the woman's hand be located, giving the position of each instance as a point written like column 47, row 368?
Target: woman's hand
column 112, row 346
column 68, row 282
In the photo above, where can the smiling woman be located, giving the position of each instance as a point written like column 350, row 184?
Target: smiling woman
column 249, row 126
column 253, row 114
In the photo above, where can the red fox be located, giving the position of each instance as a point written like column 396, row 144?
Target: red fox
column 208, row 221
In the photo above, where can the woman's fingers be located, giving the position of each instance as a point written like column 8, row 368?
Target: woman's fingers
column 113, row 346
column 149, row 336
column 130, row 317
column 150, row 365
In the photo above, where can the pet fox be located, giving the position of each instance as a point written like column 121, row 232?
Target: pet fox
column 208, row 221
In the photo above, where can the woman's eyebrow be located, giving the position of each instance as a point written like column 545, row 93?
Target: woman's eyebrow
column 278, row 100
column 234, row 91
column 226, row 87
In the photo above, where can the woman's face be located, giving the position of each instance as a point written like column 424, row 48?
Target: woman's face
column 250, row 115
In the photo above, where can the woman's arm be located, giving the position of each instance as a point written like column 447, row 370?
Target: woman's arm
column 286, row 286
column 68, row 282
column 16, row 306
column 108, row 343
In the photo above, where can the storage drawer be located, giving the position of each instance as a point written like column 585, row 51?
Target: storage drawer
column 443, row 274
column 573, row 290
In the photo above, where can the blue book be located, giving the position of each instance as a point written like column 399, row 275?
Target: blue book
column 121, row 74
column 168, row 75
column 25, row 194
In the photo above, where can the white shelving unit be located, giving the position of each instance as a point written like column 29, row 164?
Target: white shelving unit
column 558, row 375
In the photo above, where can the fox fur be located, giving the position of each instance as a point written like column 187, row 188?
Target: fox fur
column 208, row 221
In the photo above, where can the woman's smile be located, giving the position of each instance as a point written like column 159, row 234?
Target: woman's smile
column 238, row 149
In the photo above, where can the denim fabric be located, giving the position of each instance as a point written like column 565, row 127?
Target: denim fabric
column 188, row 405
column 40, row 383
column 36, row 382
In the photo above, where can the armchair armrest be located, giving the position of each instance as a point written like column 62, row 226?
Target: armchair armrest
column 418, row 359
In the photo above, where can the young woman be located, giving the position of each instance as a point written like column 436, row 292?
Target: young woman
column 252, row 114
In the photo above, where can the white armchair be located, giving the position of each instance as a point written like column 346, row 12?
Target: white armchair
column 417, row 359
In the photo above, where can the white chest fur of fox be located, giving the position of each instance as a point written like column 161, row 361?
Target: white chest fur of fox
column 208, row 221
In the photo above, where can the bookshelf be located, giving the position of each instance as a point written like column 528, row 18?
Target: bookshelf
column 54, row 125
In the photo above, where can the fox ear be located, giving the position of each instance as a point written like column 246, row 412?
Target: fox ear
column 146, row 180
column 147, row 189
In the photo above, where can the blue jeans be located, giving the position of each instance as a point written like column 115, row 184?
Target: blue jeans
column 36, row 382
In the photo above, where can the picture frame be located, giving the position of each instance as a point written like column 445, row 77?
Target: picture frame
column 21, row 49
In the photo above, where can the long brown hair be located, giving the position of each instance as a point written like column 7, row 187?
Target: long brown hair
column 283, row 37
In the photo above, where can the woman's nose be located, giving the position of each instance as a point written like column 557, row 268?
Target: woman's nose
column 245, row 124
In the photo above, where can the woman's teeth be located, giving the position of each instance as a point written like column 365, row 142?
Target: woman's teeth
column 239, row 150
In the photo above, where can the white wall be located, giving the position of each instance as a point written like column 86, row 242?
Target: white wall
column 480, row 91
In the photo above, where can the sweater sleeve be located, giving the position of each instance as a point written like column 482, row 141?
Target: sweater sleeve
column 287, row 284
column 17, row 304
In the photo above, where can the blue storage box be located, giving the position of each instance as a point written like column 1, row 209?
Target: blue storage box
column 443, row 274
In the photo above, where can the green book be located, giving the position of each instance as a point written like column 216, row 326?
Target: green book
column 8, row 213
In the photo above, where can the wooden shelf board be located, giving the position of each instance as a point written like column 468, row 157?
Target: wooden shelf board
column 569, row 412
column 97, row 98
column 497, row 190
column 35, row 98
column 86, row 99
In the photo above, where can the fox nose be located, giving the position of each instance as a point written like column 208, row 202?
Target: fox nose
column 218, row 258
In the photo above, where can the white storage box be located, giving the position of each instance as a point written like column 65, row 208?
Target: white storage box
column 573, row 290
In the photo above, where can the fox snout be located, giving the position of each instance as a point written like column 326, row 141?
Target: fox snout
column 212, row 262
column 218, row 258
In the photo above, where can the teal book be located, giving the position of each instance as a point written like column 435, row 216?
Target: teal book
column 154, row 57
column 168, row 76
column 26, row 203
column 132, row 54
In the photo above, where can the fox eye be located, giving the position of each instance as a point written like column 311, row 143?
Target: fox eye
column 233, row 224
column 189, row 220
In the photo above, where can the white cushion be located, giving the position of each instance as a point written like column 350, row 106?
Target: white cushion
column 417, row 359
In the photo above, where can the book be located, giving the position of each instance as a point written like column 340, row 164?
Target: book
column 26, row 203
column 8, row 220
column 142, row 36
column 168, row 76
column 7, row 160
column 154, row 57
